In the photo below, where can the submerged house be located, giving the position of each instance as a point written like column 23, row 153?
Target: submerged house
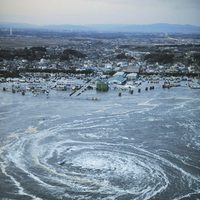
column 101, row 86
column 132, row 76
column 117, row 80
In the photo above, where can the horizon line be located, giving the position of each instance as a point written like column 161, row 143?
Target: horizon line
column 91, row 24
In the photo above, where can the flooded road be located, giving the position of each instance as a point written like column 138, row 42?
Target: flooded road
column 140, row 146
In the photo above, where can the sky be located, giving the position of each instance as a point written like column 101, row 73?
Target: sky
column 44, row 12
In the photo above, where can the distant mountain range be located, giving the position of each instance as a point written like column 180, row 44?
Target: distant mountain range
column 148, row 28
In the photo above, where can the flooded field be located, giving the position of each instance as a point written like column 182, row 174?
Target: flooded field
column 140, row 146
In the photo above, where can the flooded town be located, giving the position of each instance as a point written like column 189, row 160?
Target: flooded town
column 99, row 116
column 97, row 61
column 99, row 100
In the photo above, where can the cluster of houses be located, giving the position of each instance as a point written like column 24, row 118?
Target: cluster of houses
column 103, row 56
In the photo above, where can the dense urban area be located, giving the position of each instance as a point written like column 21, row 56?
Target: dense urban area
column 122, row 59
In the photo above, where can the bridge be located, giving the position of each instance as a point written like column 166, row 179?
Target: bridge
column 83, row 88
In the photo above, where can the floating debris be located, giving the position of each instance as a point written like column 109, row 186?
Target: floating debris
column 31, row 130
column 151, row 88
column 194, row 86
column 62, row 162
column 166, row 85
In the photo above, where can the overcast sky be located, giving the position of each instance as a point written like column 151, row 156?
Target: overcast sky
column 100, row 11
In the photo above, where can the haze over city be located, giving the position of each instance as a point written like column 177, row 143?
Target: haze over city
column 100, row 11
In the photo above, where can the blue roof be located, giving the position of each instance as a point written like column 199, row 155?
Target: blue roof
column 117, row 78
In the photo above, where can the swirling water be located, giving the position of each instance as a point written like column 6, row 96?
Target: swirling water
column 140, row 146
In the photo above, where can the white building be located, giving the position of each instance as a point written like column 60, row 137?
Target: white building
column 132, row 76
